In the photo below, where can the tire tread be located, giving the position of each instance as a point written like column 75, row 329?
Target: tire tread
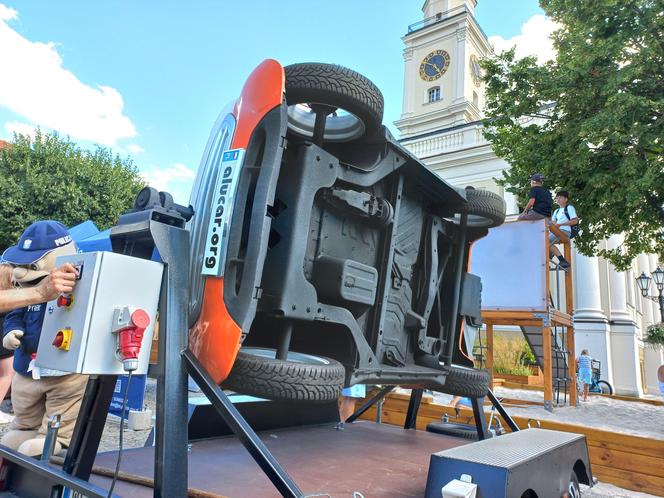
column 484, row 203
column 467, row 382
column 285, row 380
column 335, row 85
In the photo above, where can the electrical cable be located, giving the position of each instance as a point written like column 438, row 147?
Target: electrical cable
column 117, row 464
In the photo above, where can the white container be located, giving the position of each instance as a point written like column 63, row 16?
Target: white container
column 459, row 489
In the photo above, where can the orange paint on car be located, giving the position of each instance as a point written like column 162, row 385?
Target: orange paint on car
column 215, row 338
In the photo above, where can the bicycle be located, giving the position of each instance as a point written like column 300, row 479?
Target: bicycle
column 597, row 385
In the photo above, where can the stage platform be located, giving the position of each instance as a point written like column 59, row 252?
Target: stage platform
column 378, row 460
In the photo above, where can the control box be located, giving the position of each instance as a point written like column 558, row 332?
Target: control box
column 80, row 333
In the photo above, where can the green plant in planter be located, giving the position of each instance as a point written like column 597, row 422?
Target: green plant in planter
column 654, row 336
column 528, row 358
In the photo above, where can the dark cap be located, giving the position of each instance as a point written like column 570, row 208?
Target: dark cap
column 38, row 239
column 538, row 177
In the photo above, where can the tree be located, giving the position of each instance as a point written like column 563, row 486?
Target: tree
column 592, row 120
column 49, row 177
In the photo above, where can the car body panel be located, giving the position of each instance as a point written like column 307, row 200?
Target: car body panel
column 216, row 335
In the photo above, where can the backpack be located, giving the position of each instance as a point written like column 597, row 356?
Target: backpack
column 574, row 228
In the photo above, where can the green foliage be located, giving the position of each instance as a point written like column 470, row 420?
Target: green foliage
column 592, row 120
column 654, row 336
column 49, row 177
column 512, row 355
column 528, row 357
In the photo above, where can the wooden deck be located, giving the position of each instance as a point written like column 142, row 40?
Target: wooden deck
column 630, row 462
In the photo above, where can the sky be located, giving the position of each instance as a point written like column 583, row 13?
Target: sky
column 149, row 78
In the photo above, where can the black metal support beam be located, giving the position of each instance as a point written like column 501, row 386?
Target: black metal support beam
column 170, row 469
column 51, row 475
column 480, row 420
column 413, row 408
column 501, row 410
column 256, row 448
column 89, row 426
column 379, row 396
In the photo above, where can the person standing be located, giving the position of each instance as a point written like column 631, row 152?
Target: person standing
column 660, row 379
column 539, row 202
column 585, row 373
column 564, row 218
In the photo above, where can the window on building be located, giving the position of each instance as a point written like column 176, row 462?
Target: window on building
column 434, row 94
column 476, row 99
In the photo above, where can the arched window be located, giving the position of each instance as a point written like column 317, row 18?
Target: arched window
column 434, row 94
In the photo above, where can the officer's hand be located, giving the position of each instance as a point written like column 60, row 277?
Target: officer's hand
column 12, row 340
column 59, row 281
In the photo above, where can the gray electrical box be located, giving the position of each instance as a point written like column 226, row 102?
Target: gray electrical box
column 77, row 333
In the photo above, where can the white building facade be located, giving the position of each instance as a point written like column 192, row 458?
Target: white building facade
column 440, row 123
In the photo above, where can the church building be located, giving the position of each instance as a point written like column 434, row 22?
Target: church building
column 441, row 124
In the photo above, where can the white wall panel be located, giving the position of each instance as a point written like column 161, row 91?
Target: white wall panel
column 511, row 262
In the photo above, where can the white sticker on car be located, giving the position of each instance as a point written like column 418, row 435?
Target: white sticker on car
column 220, row 215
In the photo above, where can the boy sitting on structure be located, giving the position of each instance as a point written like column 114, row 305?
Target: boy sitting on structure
column 539, row 200
column 38, row 394
column 565, row 219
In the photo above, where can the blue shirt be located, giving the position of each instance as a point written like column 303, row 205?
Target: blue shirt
column 29, row 320
column 585, row 362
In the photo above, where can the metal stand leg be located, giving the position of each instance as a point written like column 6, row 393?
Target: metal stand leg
column 413, row 408
column 480, row 421
column 378, row 397
column 274, row 471
column 89, row 426
column 501, row 409
column 170, row 466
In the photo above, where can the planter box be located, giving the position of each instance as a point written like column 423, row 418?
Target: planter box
column 529, row 380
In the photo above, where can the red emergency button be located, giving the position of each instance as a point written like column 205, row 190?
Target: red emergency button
column 65, row 300
column 62, row 339
column 140, row 319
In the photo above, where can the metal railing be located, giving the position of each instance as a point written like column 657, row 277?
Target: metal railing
column 416, row 26
column 424, row 23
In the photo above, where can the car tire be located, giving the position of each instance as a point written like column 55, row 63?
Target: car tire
column 467, row 382
column 464, row 431
column 301, row 377
column 335, row 86
column 604, row 387
column 484, row 208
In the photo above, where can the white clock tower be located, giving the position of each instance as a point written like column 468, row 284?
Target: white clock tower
column 442, row 86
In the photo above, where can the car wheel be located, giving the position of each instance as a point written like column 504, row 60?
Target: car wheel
column 604, row 387
column 467, row 382
column 358, row 102
column 484, row 208
column 301, row 377
column 464, row 431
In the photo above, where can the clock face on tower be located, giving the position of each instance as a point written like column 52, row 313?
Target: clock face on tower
column 475, row 70
column 434, row 65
